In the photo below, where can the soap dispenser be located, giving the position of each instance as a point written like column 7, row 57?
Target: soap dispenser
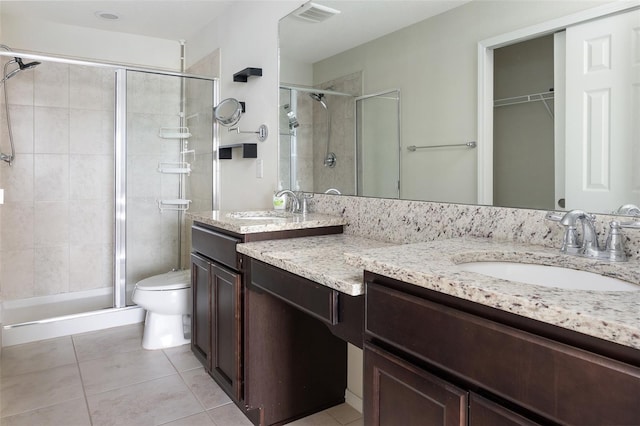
column 279, row 203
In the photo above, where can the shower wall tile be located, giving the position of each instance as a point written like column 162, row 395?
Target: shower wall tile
column 21, row 128
column 17, row 226
column 153, row 94
column 92, row 88
column 16, row 267
column 51, row 173
column 17, row 180
column 91, row 217
column 143, row 178
column 52, row 85
column 51, row 270
column 209, row 65
column 90, row 177
column 51, row 130
column 90, row 266
column 142, row 134
column 342, row 136
column 51, row 223
column 91, row 132
column 20, row 89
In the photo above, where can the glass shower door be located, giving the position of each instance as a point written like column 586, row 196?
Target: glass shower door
column 169, row 164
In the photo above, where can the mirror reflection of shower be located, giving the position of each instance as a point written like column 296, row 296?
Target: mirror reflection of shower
column 330, row 157
column 6, row 75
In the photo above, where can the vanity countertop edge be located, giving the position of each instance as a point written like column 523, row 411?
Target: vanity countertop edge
column 224, row 220
column 338, row 262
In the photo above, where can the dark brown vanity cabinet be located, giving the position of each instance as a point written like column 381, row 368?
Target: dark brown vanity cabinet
column 217, row 294
column 276, row 362
column 434, row 359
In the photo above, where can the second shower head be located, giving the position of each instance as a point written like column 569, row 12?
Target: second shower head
column 319, row 97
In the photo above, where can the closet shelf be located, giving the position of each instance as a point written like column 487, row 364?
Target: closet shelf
column 249, row 150
column 535, row 97
column 174, row 133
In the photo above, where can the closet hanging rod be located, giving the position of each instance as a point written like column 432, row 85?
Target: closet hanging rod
column 471, row 144
column 535, row 97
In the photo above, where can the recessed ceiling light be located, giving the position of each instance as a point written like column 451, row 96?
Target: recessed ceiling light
column 109, row 16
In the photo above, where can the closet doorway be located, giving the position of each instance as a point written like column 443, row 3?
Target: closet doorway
column 523, row 125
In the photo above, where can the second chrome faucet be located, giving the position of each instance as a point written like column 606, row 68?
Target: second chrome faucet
column 589, row 246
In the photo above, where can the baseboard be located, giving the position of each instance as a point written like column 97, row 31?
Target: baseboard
column 353, row 400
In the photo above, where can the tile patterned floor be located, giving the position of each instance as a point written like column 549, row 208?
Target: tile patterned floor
column 106, row 378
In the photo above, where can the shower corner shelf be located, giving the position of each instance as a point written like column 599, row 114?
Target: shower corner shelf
column 174, row 133
column 249, row 150
column 243, row 76
column 176, row 205
column 175, row 168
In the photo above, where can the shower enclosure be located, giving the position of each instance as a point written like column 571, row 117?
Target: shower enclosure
column 334, row 140
column 317, row 140
column 107, row 160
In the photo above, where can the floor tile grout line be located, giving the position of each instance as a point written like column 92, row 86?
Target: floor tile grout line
column 84, row 391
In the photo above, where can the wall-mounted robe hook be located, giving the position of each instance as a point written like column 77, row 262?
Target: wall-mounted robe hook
column 261, row 134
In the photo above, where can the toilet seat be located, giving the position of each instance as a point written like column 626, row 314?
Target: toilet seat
column 174, row 280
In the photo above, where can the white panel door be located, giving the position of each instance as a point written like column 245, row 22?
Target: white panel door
column 603, row 111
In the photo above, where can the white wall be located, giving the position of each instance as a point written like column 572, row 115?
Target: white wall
column 106, row 46
column 247, row 35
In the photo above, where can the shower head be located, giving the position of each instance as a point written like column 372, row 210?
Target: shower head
column 318, row 97
column 21, row 66
column 27, row 66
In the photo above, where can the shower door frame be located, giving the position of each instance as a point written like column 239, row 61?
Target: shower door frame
column 120, row 142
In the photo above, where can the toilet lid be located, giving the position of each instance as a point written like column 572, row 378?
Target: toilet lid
column 173, row 280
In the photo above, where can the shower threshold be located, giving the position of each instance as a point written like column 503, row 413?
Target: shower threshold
column 48, row 317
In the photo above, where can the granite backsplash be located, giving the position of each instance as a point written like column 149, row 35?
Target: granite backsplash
column 402, row 221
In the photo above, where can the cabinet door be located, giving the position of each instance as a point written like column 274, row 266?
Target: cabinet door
column 483, row 412
column 201, row 315
column 226, row 311
column 398, row 393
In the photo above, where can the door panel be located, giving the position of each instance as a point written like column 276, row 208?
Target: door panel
column 603, row 95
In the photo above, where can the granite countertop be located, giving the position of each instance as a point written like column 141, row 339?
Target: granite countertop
column 320, row 259
column 609, row 315
column 250, row 222
column 338, row 261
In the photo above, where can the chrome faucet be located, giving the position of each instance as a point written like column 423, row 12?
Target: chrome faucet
column 628, row 209
column 589, row 247
column 298, row 200
column 570, row 244
column 295, row 202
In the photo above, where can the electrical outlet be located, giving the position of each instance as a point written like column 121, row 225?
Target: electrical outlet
column 259, row 170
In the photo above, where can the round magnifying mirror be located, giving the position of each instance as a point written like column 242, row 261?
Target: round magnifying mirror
column 228, row 112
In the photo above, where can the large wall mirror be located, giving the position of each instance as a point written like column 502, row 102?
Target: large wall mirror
column 381, row 99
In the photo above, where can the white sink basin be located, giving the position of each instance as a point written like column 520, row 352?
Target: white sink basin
column 548, row 276
column 260, row 215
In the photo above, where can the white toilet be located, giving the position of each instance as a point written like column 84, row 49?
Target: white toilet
column 167, row 299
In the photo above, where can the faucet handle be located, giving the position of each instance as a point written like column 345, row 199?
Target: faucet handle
column 554, row 216
column 633, row 225
column 615, row 243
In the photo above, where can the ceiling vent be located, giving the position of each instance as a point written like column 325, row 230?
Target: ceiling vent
column 313, row 12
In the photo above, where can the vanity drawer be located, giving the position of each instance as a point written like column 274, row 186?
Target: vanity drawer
column 215, row 245
column 315, row 299
column 560, row 382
